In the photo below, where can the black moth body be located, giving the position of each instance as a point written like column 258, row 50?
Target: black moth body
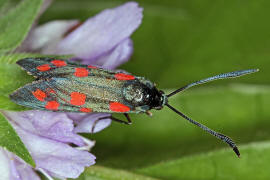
column 66, row 86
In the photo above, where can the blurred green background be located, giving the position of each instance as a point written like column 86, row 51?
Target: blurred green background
column 180, row 42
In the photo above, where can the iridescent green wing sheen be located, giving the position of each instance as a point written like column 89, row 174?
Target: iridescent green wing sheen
column 67, row 86
column 89, row 94
column 93, row 93
column 45, row 67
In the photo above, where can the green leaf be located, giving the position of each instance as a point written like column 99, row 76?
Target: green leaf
column 103, row 173
column 217, row 165
column 239, row 111
column 16, row 23
column 10, row 141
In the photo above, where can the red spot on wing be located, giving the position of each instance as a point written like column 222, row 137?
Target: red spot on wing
column 40, row 95
column 77, row 98
column 59, row 63
column 122, row 76
column 81, row 72
column 44, row 67
column 52, row 105
column 118, row 107
column 86, row 110
column 92, row 67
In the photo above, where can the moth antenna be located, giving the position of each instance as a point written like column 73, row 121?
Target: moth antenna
column 220, row 76
column 220, row 136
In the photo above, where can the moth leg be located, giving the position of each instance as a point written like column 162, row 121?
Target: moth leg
column 128, row 118
column 114, row 119
column 95, row 123
column 149, row 113
column 121, row 121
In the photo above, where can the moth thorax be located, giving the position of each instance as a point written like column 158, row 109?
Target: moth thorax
column 134, row 93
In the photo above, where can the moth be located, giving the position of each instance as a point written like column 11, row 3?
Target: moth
column 66, row 86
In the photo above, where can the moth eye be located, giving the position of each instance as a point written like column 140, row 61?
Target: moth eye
column 138, row 96
column 134, row 94
column 147, row 96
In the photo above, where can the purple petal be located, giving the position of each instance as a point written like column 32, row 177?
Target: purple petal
column 44, row 38
column 13, row 168
column 56, row 126
column 120, row 54
column 6, row 169
column 76, row 117
column 100, row 34
column 54, row 157
column 86, row 124
column 25, row 172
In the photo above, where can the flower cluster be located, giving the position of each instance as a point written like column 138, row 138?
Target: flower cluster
column 102, row 40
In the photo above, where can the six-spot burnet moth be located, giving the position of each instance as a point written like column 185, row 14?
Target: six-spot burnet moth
column 66, row 86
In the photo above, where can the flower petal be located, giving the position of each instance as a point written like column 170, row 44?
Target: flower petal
column 76, row 117
column 56, row 126
column 13, row 168
column 45, row 38
column 120, row 54
column 6, row 170
column 57, row 158
column 100, row 34
column 85, row 126
column 25, row 171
